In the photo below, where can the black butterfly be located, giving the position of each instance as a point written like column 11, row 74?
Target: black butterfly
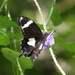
column 31, row 33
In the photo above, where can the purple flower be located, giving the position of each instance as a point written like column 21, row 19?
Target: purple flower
column 49, row 41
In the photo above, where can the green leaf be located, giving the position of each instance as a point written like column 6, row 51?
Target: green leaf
column 12, row 56
column 18, row 36
column 69, row 46
column 9, row 34
column 4, row 40
column 49, row 29
column 56, row 19
column 6, row 23
column 40, row 26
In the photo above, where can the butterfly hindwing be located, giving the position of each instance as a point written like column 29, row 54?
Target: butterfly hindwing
column 26, row 49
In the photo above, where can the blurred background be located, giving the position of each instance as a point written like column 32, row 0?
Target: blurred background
column 44, row 65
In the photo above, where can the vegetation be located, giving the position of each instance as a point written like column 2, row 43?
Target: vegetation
column 58, row 15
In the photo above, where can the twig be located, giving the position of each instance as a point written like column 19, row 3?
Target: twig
column 55, row 61
column 19, row 67
column 12, row 30
column 50, row 12
column 5, row 1
column 39, row 9
column 49, row 17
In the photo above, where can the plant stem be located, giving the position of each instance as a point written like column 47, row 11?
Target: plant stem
column 55, row 61
column 39, row 9
column 49, row 17
column 5, row 1
column 50, row 12
column 19, row 67
column 12, row 30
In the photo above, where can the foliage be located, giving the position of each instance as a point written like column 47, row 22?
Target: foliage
column 12, row 56
column 56, row 17
column 10, row 36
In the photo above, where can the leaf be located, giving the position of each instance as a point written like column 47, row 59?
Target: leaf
column 40, row 26
column 18, row 36
column 56, row 19
column 49, row 29
column 9, row 34
column 69, row 46
column 12, row 56
column 6, row 23
column 4, row 40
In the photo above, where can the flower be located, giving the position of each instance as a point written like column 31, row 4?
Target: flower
column 49, row 41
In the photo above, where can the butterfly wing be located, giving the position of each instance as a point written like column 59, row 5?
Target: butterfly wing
column 29, row 30
column 47, row 39
column 26, row 49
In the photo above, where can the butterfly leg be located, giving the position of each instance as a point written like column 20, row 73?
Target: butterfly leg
column 23, row 52
column 34, row 59
column 35, row 55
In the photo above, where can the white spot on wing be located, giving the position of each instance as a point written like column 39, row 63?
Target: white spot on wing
column 27, row 24
column 31, row 42
column 21, row 18
column 40, row 47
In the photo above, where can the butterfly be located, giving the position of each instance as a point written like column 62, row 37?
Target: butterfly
column 34, row 40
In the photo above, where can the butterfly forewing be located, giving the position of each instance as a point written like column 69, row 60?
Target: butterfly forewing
column 29, row 28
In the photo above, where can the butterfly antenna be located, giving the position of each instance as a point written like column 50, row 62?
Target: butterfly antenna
column 53, row 32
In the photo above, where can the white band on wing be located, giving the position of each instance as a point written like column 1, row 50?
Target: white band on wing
column 27, row 24
column 31, row 42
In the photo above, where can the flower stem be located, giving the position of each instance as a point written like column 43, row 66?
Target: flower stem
column 39, row 9
column 19, row 67
column 5, row 1
column 12, row 30
column 55, row 61
column 50, row 12
column 49, row 17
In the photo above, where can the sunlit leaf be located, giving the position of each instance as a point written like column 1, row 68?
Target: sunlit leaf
column 49, row 29
column 4, row 40
column 5, row 22
column 40, row 26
